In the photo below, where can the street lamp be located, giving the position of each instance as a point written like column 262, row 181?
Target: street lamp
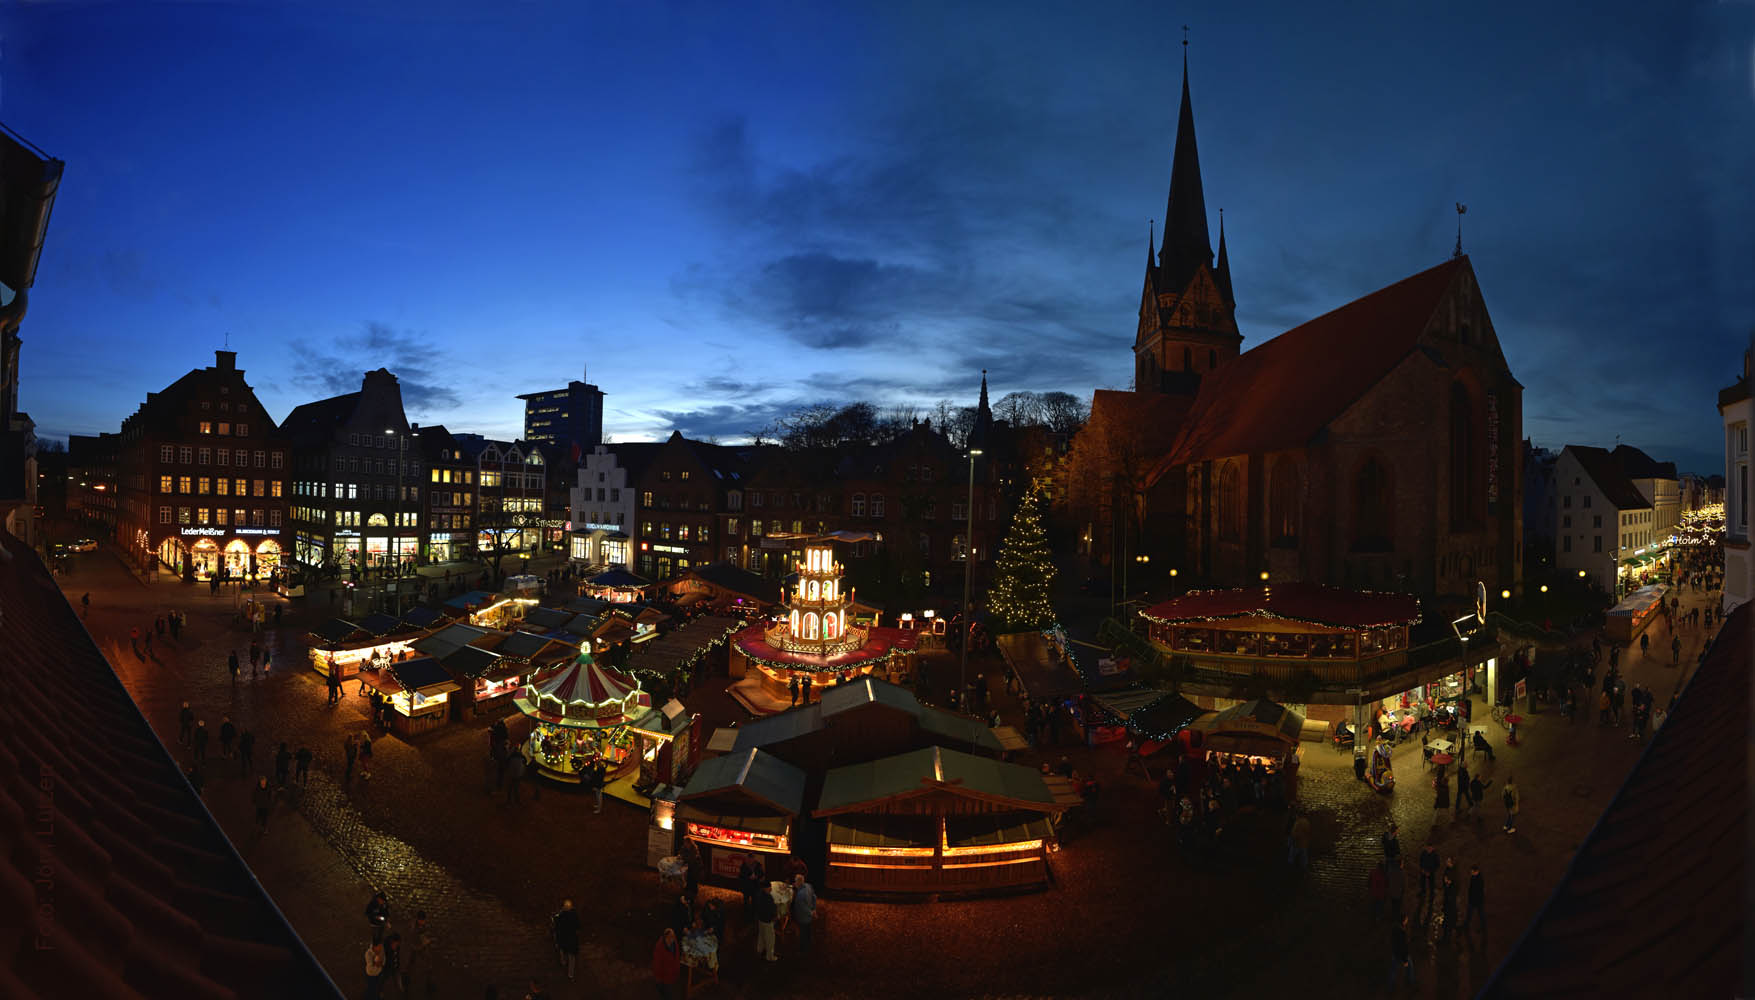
column 968, row 568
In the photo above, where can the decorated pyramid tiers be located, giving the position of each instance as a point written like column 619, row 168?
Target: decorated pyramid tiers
column 814, row 644
column 816, row 622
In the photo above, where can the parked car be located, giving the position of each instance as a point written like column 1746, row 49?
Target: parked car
column 84, row 545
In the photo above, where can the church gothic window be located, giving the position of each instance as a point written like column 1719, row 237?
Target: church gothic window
column 1373, row 530
column 1465, row 459
column 1230, row 504
column 1284, row 504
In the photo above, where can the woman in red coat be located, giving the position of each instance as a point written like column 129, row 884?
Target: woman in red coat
column 667, row 963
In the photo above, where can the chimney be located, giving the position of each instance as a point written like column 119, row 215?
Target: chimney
column 226, row 360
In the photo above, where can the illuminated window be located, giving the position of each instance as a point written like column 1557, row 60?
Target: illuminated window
column 224, row 486
column 207, row 427
column 182, row 515
column 183, row 483
column 202, row 515
column 224, row 428
column 164, row 484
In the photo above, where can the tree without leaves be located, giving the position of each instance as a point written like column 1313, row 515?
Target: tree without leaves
column 1063, row 412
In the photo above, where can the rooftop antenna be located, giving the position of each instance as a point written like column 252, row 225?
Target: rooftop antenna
column 1185, row 42
column 228, row 340
column 1461, row 210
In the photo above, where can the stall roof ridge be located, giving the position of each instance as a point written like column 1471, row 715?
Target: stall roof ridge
column 757, row 773
column 932, row 769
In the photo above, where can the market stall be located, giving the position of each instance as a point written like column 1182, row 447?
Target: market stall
column 418, row 691
column 348, row 647
column 505, row 612
column 617, row 586
column 517, row 658
column 936, row 821
column 740, row 806
column 1251, row 733
column 1636, row 612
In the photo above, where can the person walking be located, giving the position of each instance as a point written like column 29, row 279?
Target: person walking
column 185, row 724
column 667, row 964
column 1428, row 872
column 282, row 765
column 393, row 961
column 231, row 664
column 227, row 733
column 267, row 654
column 334, row 683
column 255, row 656
column 1676, row 651
column 350, row 749
column 374, row 970
column 804, row 911
column 303, row 759
column 598, row 773
column 1401, row 965
column 1392, row 845
column 366, row 759
column 262, row 797
column 564, row 927
column 1477, row 902
column 378, row 912
column 246, row 751
column 199, row 743
column 1464, row 803
column 1511, row 802
column 1644, row 643
column 766, row 912
column 1447, row 914
column 1299, row 855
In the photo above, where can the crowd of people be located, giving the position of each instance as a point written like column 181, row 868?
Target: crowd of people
column 1430, row 914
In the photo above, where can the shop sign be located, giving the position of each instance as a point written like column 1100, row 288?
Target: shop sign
column 588, row 526
column 255, row 531
column 1492, row 447
column 202, row 531
column 672, row 549
column 439, row 536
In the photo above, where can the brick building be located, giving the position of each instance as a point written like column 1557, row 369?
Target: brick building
column 1376, row 446
column 202, row 476
column 91, row 482
column 357, row 479
column 684, row 490
column 511, row 493
column 449, row 494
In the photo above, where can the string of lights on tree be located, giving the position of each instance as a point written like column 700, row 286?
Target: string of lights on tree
column 1024, row 571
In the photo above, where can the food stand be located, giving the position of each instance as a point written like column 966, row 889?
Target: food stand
column 350, row 647
column 617, row 586
column 739, row 806
column 418, row 691
column 934, row 821
column 1254, row 732
column 1636, row 612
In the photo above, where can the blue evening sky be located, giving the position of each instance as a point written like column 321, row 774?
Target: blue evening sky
column 727, row 209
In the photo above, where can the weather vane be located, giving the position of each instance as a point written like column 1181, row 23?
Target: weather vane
column 1461, row 210
column 1185, row 36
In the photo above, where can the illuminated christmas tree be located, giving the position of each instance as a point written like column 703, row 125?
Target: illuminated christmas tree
column 1024, row 571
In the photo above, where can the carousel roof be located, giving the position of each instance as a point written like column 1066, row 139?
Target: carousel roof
column 588, row 685
column 1300, row 602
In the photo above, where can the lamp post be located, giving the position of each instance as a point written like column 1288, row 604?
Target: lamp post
column 968, row 571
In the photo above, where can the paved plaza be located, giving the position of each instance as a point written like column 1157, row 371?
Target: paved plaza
column 1129, row 914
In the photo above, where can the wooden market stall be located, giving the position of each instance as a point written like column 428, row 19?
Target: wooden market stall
column 1253, row 732
column 370, row 643
column 935, row 821
column 739, row 806
column 418, row 691
column 617, row 586
column 517, row 658
column 1635, row 613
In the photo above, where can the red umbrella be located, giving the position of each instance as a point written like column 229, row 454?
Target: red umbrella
column 1514, row 719
column 1442, row 758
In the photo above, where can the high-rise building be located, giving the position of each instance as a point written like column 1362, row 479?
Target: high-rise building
column 567, row 418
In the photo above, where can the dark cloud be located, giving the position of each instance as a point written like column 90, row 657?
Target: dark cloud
column 427, row 376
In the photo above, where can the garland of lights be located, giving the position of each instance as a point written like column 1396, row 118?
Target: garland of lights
column 1265, row 613
column 1024, row 572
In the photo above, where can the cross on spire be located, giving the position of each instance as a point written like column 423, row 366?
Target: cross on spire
column 1461, row 210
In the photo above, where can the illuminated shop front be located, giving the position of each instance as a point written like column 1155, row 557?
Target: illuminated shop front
column 742, row 806
column 936, row 820
column 348, row 647
column 241, row 553
column 617, row 586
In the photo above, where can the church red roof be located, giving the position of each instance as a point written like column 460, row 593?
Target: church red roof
column 1300, row 602
column 148, row 897
column 1282, row 393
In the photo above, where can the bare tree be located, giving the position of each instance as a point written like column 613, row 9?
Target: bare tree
column 1020, row 409
column 1063, row 412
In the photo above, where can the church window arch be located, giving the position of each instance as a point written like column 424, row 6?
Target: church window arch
column 1373, row 507
column 1285, row 504
column 1230, row 503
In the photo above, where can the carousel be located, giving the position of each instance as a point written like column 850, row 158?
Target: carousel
column 584, row 713
column 814, row 644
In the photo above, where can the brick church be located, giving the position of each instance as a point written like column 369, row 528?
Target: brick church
column 1373, row 447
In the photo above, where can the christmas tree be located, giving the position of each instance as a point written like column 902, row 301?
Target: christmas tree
column 1024, row 572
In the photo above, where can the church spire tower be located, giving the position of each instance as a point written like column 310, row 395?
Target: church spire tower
column 1188, row 323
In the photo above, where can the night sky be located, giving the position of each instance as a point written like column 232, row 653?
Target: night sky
column 726, row 210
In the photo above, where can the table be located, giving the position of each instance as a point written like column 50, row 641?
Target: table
column 1440, row 746
column 699, row 951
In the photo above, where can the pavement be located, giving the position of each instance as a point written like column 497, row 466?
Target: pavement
column 1128, row 915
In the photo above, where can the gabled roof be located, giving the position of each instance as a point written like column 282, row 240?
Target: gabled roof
column 618, row 578
column 151, row 899
column 1636, row 464
column 449, row 639
column 727, row 577
column 423, row 617
column 471, row 661
column 1283, row 392
column 312, row 424
column 787, row 725
column 379, row 625
column 475, row 597
column 1653, row 902
column 761, row 776
column 337, row 630
column 547, row 618
column 929, row 770
column 1605, row 472
column 524, row 645
column 420, row 673
column 634, row 456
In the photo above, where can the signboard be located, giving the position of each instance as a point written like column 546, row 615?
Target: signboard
column 672, row 549
column 727, row 863
column 588, row 526
column 1492, row 447
column 1521, row 689
column 217, row 532
column 660, row 844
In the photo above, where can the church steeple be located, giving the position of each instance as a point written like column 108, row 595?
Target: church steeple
column 983, row 418
column 1187, row 244
column 1222, row 272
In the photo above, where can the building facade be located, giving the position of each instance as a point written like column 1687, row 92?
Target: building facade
column 202, row 477
column 600, row 512
column 357, row 480
column 91, row 482
column 1658, row 483
column 565, row 418
column 1605, row 525
column 450, row 497
column 29, row 181
column 1737, row 410
column 511, row 497
column 683, row 491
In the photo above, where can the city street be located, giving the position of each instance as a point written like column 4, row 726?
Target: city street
column 488, row 873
